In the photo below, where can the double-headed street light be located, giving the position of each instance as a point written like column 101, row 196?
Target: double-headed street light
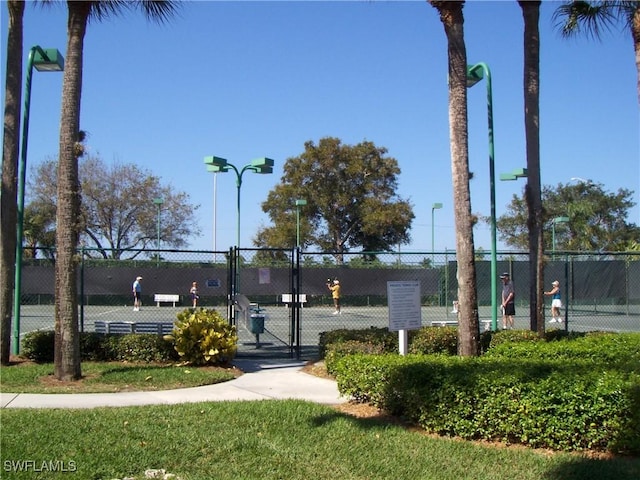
column 434, row 207
column 158, row 201
column 260, row 165
column 44, row 60
column 299, row 203
column 475, row 73
column 553, row 233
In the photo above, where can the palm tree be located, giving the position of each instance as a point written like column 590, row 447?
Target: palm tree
column 9, row 197
column 533, row 195
column 468, row 331
column 590, row 18
column 67, row 346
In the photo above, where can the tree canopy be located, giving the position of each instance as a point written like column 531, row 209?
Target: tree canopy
column 597, row 219
column 351, row 201
column 118, row 212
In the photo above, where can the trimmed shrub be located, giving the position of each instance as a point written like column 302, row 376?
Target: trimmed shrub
column 513, row 336
column 203, row 337
column 388, row 341
column 604, row 348
column 140, row 347
column 39, row 346
column 572, row 394
column 336, row 351
column 429, row 340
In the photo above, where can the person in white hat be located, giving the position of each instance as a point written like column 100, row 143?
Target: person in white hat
column 556, row 302
column 137, row 292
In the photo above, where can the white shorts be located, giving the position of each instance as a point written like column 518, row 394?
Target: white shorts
column 556, row 303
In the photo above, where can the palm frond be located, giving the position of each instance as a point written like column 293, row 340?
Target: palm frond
column 583, row 17
column 156, row 10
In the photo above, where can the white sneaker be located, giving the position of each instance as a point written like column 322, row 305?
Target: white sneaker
column 336, row 312
column 553, row 320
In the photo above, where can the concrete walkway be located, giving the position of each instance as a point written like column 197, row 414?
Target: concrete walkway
column 262, row 380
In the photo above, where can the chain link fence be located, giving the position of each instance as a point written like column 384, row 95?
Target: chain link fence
column 599, row 291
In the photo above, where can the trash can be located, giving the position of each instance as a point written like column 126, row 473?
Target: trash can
column 256, row 324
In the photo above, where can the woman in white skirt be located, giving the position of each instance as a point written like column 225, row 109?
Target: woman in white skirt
column 556, row 302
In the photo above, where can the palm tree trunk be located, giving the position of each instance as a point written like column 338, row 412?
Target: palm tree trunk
column 8, row 200
column 67, row 343
column 531, row 16
column 468, row 328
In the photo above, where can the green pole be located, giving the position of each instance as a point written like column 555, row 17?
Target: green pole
column 15, row 344
column 44, row 63
column 433, row 235
column 158, row 201
column 238, row 188
column 492, row 176
column 473, row 77
column 300, row 202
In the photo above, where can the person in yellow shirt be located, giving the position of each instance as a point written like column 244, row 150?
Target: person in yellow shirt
column 335, row 294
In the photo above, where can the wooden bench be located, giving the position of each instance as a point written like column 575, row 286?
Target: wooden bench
column 166, row 298
column 288, row 298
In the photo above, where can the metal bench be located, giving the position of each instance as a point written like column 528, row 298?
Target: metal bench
column 486, row 324
column 122, row 328
column 166, row 298
column 444, row 323
column 288, row 298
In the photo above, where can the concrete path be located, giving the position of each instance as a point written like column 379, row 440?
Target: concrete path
column 262, row 380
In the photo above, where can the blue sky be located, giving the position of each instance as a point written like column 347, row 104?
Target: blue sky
column 242, row 80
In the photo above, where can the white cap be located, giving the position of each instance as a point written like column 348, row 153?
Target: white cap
column 556, row 282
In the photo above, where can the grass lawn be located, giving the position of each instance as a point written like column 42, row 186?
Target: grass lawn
column 247, row 440
column 265, row 440
column 105, row 377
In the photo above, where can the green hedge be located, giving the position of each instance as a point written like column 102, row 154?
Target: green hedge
column 567, row 391
column 135, row 347
column 541, row 403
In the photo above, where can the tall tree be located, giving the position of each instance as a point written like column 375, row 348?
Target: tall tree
column 591, row 18
column 9, row 196
column 353, row 204
column 117, row 211
column 67, row 346
column 597, row 219
column 531, row 16
column 453, row 22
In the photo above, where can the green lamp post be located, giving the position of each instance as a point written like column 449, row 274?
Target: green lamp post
column 475, row 73
column 260, row 165
column 158, row 201
column 43, row 60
